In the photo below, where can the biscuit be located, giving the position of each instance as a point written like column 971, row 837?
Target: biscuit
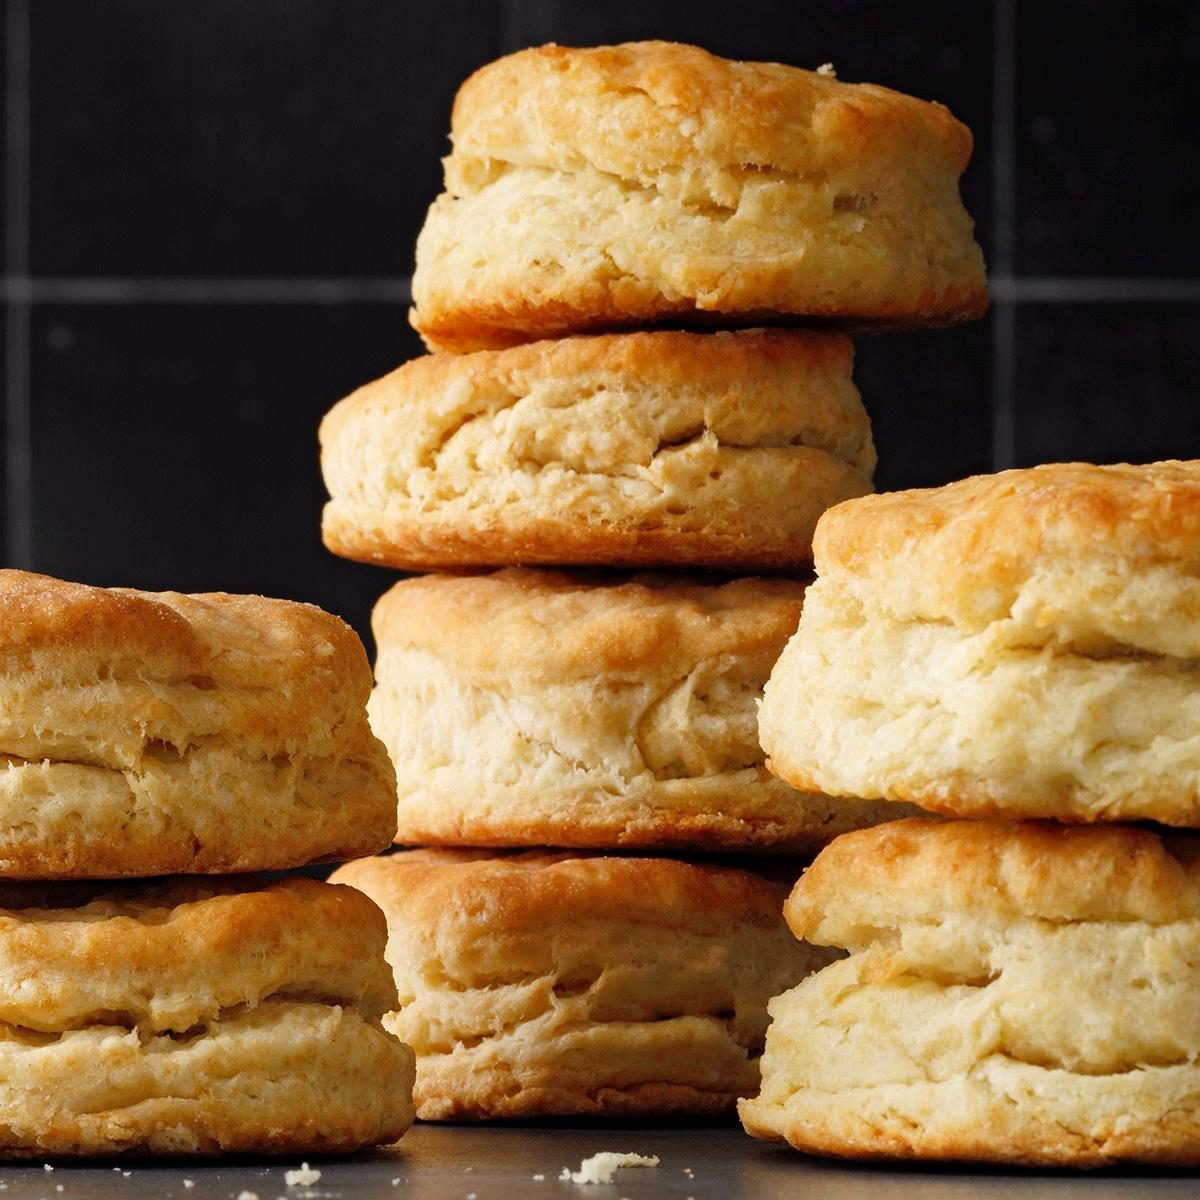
column 543, row 984
column 1022, row 644
column 594, row 711
column 612, row 187
column 195, row 1017
column 145, row 734
column 717, row 450
column 1014, row 993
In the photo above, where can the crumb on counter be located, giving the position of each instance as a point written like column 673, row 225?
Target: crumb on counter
column 601, row 1168
column 303, row 1176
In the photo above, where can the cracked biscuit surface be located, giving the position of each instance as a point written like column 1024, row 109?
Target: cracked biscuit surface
column 542, row 984
column 152, row 733
column 605, row 188
column 1023, row 644
column 196, row 1017
column 716, row 450
column 1014, row 993
column 534, row 707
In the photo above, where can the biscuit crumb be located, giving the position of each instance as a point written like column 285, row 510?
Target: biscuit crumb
column 538, row 1178
column 601, row 1168
column 302, row 1177
column 827, row 69
column 47, row 1167
column 247, row 1196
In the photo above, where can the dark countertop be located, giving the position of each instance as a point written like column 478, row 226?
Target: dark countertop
column 438, row 1162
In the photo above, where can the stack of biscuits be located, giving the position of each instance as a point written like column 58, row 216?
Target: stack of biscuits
column 1020, row 653
column 618, row 226
column 154, row 999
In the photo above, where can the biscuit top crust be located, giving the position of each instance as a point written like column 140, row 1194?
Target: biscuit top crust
column 72, row 631
column 479, row 895
column 964, row 552
column 650, row 110
column 923, row 871
column 756, row 387
column 558, row 626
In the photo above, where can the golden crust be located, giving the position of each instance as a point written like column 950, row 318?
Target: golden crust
column 544, row 101
column 170, row 956
column 477, row 897
column 599, row 711
column 190, row 1016
column 550, row 984
column 653, row 180
column 1014, row 993
column 147, row 733
column 668, row 448
column 566, row 627
column 1017, row 527
column 922, row 869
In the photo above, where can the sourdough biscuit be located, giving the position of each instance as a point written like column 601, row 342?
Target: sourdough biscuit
column 531, row 708
column 547, row 984
column 145, row 734
column 611, row 187
column 196, row 1017
column 1014, row 993
column 1021, row 644
column 717, row 450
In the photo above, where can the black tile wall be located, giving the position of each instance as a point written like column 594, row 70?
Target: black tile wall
column 1108, row 382
column 176, row 446
column 280, row 137
column 928, row 396
column 227, row 145
column 1107, row 99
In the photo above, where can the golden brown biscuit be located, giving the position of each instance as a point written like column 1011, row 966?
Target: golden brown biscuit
column 718, row 450
column 1020, row 644
column 145, row 734
column 1015, row 993
column 547, row 984
column 531, row 708
column 196, row 1017
column 612, row 187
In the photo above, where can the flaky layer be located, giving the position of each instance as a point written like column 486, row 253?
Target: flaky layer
column 977, row 723
column 143, row 733
column 206, row 813
column 544, row 984
column 615, row 186
column 598, row 711
column 653, row 447
column 1099, row 558
column 167, row 958
column 283, row 1077
column 1072, row 1043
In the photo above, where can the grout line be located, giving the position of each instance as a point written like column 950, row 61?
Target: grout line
column 17, row 289
column 18, row 445
column 1065, row 289
column 1003, row 400
column 166, row 290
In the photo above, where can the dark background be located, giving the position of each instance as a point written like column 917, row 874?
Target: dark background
column 210, row 208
